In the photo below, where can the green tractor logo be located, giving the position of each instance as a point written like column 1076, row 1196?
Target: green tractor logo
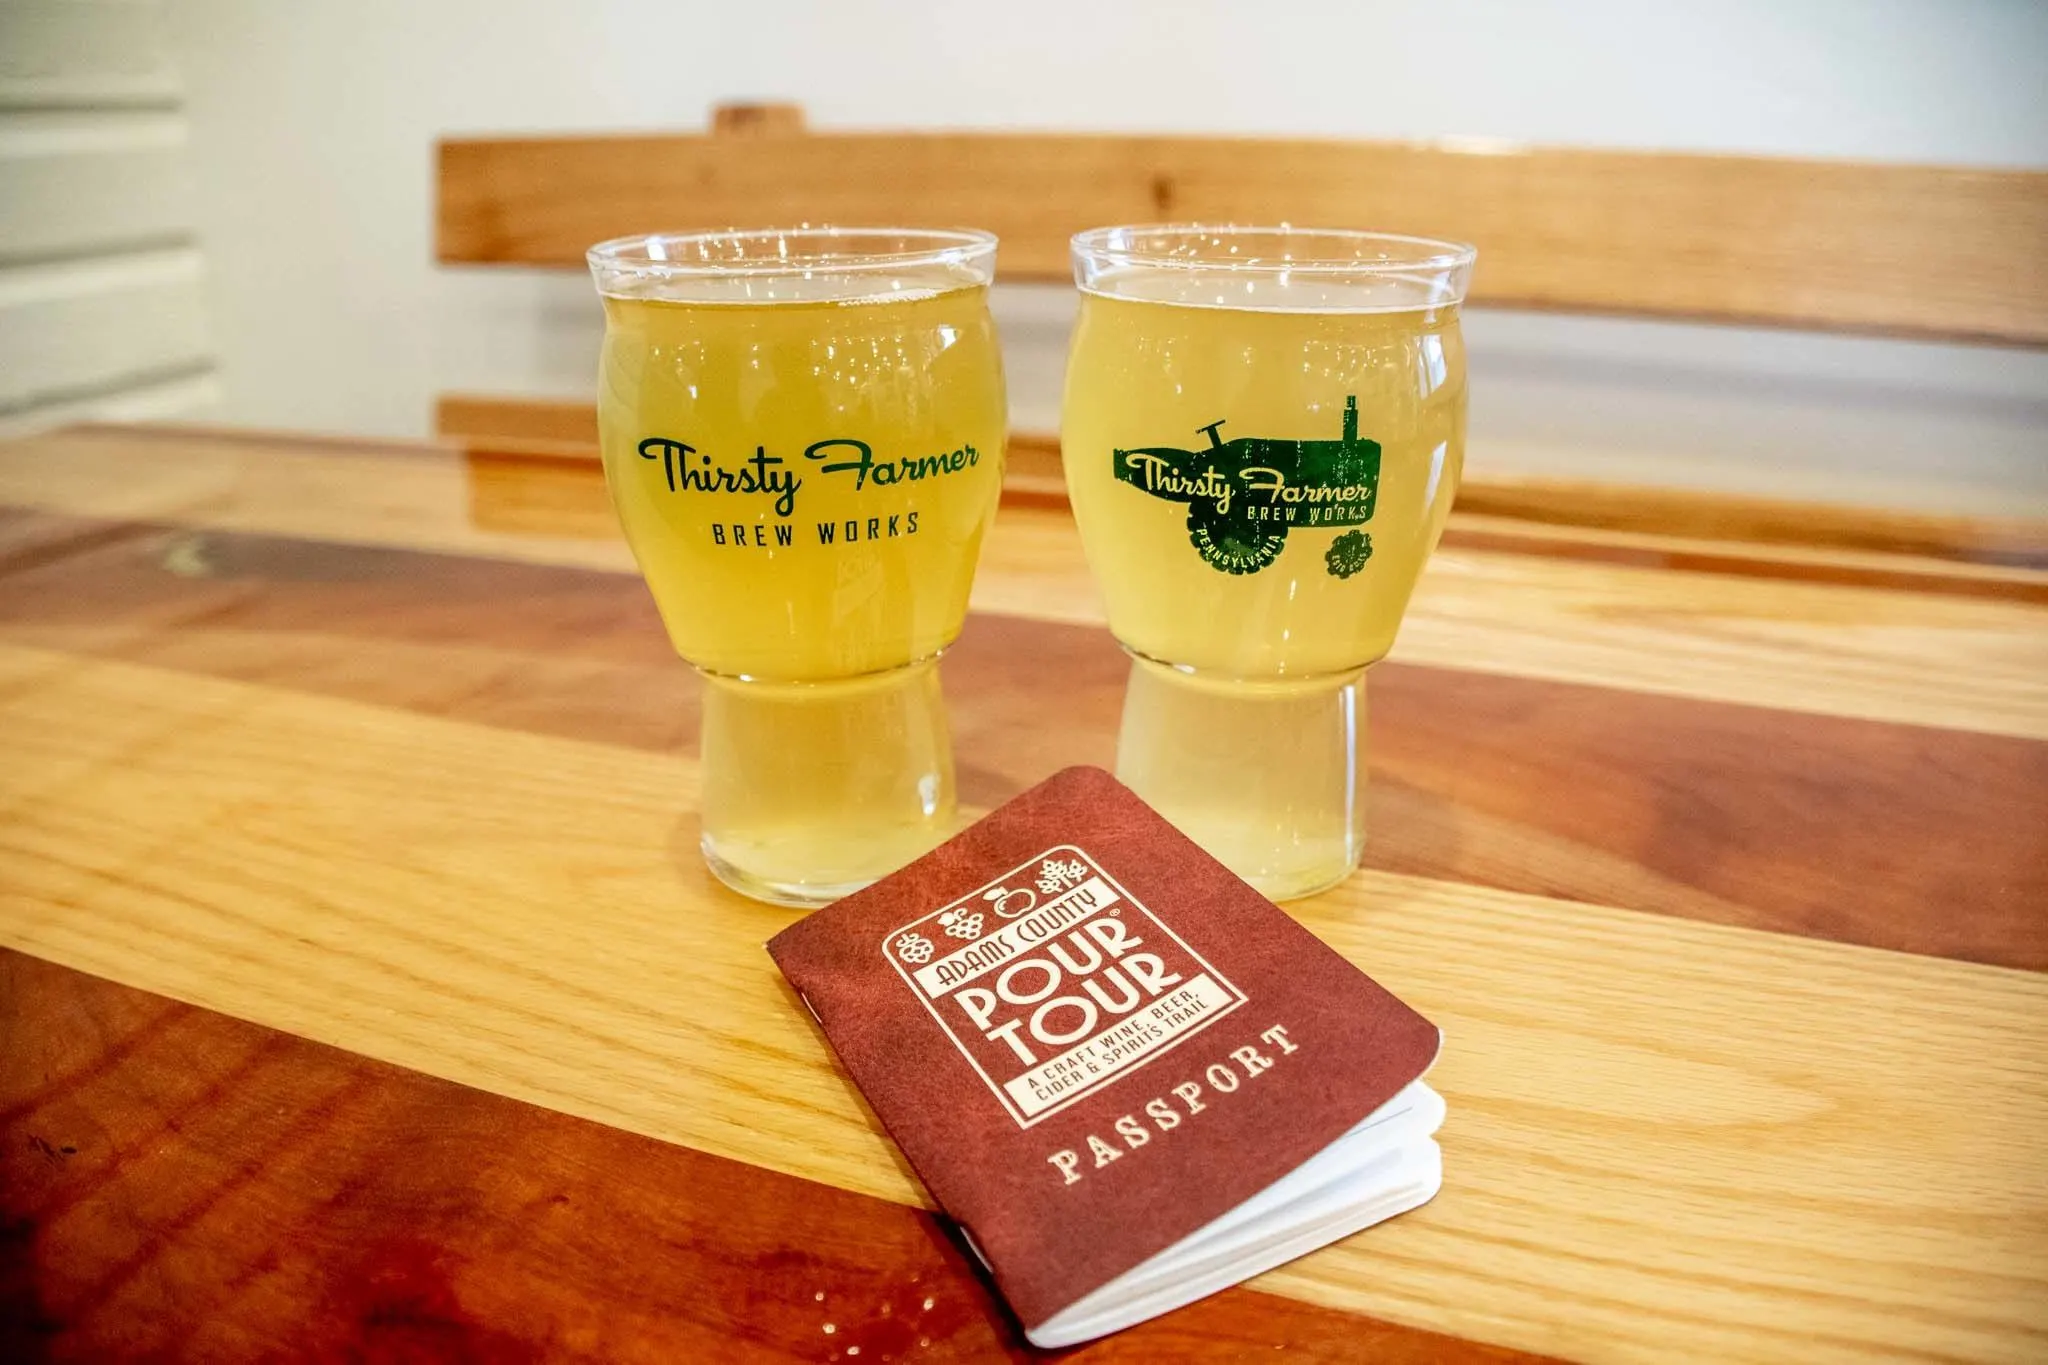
column 1244, row 495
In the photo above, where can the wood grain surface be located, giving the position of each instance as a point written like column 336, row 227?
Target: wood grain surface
column 1737, row 814
column 1821, row 648
column 562, row 429
column 175, row 1184
column 1579, row 504
column 1955, row 576
column 1661, row 1129
column 1916, row 250
column 1748, row 1048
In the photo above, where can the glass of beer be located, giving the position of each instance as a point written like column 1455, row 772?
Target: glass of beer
column 1262, row 433
column 803, row 436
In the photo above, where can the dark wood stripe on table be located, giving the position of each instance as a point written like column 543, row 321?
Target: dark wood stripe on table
column 1898, row 836
column 176, row 1184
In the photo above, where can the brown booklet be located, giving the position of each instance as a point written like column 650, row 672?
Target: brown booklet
column 1131, row 1078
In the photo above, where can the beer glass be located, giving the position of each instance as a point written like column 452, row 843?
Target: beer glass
column 1263, row 429
column 803, row 438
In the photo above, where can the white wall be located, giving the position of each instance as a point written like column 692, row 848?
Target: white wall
column 313, row 124
column 102, row 310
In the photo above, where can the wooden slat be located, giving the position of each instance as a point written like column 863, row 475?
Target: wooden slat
column 176, row 1183
column 1667, row 1138
column 1749, row 559
column 755, row 120
column 487, row 424
column 547, row 484
column 566, row 429
column 1909, row 250
column 1032, row 471
column 1812, row 647
column 1680, row 807
column 1579, row 503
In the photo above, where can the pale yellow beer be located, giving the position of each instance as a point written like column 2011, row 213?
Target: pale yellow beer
column 803, row 437
column 1262, row 434
column 874, row 432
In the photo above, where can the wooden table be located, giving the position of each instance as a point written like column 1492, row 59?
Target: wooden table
column 364, row 995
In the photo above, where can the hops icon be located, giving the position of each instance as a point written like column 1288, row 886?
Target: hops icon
column 1347, row 554
column 914, row 948
column 962, row 923
column 1055, row 876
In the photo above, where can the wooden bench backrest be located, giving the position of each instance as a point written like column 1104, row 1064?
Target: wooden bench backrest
column 1910, row 251
column 1902, row 250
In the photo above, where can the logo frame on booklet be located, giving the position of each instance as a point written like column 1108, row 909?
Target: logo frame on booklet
column 1055, row 982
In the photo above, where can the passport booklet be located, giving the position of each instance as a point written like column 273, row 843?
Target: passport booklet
column 1130, row 1078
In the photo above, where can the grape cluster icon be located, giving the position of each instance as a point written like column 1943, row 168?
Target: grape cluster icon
column 962, row 923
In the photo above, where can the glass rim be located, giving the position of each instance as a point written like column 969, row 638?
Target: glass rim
column 652, row 254
column 1115, row 246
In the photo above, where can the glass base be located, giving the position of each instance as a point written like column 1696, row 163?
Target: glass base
column 1267, row 775
column 814, row 790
